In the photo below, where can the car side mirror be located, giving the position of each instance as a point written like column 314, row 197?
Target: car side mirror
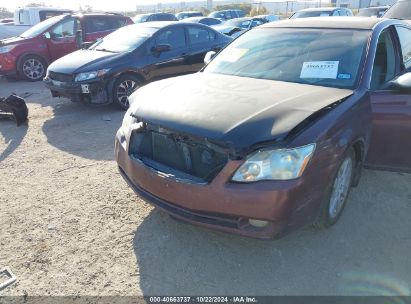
column 47, row 35
column 157, row 50
column 209, row 56
column 402, row 83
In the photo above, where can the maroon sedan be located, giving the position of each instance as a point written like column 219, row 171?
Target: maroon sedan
column 274, row 131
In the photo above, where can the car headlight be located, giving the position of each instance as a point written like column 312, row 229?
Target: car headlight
column 276, row 164
column 90, row 75
column 6, row 49
column 128, row 123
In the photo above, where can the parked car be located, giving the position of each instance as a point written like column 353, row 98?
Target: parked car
column 154, row 17
column 6, row 20
column 375, row 11
column 227, row 14
column 184, row 15
column 399, row 10
column 204, row 20
column 114, row 67
column 25, row 18
column 322, row 12
column 238, row 26
column 273, row 133
column 28, row 55
column 269, row 18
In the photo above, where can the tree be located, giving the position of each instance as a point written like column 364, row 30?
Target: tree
column 88, row 8
column 258, row 11
column 243, row 6
column 37, row 4
column 5, row 13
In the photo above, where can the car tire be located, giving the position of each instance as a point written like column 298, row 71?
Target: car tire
column 123, row 87
column 338, row 192
column 32, row 68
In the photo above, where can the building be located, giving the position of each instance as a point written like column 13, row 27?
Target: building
column 277, row 7
column 186, row 5
column 355, row 4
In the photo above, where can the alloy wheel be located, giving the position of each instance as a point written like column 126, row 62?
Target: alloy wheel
column 341, row 187
column 124, row 90
column 33, row 69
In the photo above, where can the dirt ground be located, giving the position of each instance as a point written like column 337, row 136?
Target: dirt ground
column 69, row 225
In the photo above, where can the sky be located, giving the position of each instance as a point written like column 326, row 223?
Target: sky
column 107, row 5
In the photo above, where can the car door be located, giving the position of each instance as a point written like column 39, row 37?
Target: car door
column 390, row 146
column 202, row 40
column 62, row 38
column 172, row 62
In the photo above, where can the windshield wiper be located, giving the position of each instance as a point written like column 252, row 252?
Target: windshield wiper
column 105, row 50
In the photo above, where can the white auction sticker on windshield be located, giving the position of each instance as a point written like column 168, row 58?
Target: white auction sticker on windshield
column 320, row 69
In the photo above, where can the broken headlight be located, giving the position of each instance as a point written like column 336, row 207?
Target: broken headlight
column 128, row 122
column 278, row 164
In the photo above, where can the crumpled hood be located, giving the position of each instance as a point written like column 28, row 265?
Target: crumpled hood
column 83, row 61
column 225, row 29
column 236, row 110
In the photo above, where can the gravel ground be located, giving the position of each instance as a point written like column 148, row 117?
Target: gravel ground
column 69, row 225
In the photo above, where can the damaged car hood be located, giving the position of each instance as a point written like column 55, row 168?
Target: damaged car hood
column 235, row 110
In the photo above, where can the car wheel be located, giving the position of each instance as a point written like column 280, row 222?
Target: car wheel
column 32, row 68
column 338, row 192
column 123, row 87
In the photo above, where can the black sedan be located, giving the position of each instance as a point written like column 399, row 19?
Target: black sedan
column 115, row 66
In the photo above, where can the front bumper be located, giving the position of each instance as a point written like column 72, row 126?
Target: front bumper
column 96, row 92
column 223, row 205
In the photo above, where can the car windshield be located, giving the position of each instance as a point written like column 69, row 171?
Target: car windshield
column 370, row 12
column 140, row 18
column 327, row 57
column 306, row 14
column 239, row 23
column 125, row 39
column 41, row 27
column 400, row 10
column 217, row 15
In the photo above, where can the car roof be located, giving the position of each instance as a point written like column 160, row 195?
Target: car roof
column 374, row 7
column 159, row 24
column 189, row 12
column 327, row 22
column 98, row 14
column 320, row 9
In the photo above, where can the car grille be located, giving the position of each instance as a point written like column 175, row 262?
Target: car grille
column 178, row 155
column 60, row 77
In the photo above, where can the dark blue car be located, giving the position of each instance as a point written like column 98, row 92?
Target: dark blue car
column 115, row 66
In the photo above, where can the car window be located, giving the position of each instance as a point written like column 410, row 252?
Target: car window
column 154, row 18
column 256, row 23
column 100, row 24
column 48, row 14
column 404, row 35
column 383, row 69
column 174, row 37
column 117, row 23
column 64, row 29
column 199, row 35
column 336, row 13
column 213, row 21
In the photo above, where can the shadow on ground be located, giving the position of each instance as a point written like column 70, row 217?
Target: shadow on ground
column 13, row 136
column 91, row 130
column 366, row 253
